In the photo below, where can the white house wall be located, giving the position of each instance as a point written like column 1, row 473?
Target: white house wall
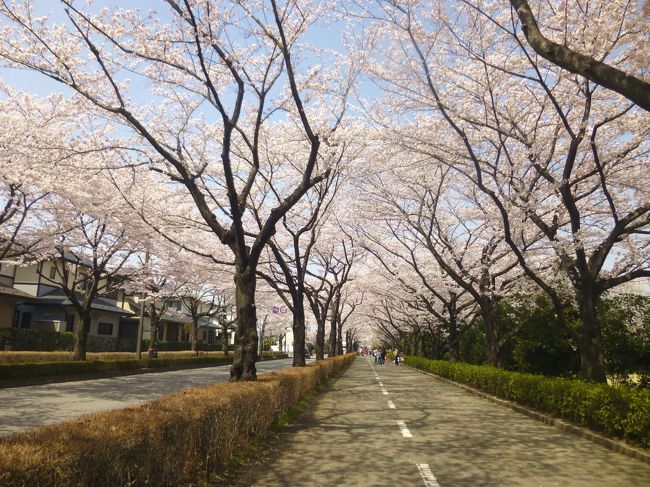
column 98, row 318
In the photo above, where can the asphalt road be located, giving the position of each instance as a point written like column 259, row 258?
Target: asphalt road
column 391, row 426
column 22, row 408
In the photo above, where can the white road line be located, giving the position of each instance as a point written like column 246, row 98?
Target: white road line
column 427, row 475
column 380, row 384
column 384, row 392
column 405, row 431
column 391, row 405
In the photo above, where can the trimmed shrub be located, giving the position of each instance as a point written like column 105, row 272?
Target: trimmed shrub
column 50, row 369
column 273, row 355
column 65, row 366
column 23, row 357
column 28, row 339
column 617, row 411
column 176, row 440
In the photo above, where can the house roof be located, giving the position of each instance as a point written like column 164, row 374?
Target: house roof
column 13, row 293
column 205, row 322
column 175, row 318
column 57, row 297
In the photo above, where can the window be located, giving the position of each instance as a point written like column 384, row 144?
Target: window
column 25, row 320
column 174, row 305
column 69, row 322
column 53, row 271
column 105, row 329
column 83, row 282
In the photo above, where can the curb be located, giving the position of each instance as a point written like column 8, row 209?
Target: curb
column 614, row 445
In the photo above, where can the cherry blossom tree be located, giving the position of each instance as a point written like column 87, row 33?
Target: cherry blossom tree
column 291, row 255
column 199, row 300
column 32, row 131
column 90, row 254
column 546, row 148
column 589, row 66
column 220, row 73
column 430, row 218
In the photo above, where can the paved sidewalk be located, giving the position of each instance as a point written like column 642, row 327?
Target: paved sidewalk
column 391, row 426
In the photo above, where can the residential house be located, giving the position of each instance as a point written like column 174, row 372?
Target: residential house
column 31, row 297
column 10, row 296
column 45, row 307
column 175, row 322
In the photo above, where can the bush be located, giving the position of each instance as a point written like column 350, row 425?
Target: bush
column 50, row 369
column 48, row 364
column 27, row 339
column 273, row 355
column 618, row 411
column 176, row 440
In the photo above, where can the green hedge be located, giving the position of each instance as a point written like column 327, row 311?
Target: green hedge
column 50, row 369
column 27, row 339
column 181, row 346
column 617, row 411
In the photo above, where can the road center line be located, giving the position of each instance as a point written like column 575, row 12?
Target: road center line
column 427, row 475
column 380, row 384
column 404, row 430
column 391, row 405
column 384, row 391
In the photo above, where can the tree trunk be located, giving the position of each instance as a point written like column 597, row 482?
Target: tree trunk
column 320, row 339
column 194, row 338
column 454, row 342
column 298, row 330
column 331, row 343
column 155, row 327
column 491, row 324
column 592, row 366
column 419, row 345
column 82, row 337
column 349, row 341
column 224, row 338
column 334, row 320
column 243, row 366
column 339, row 339
column 412, row 345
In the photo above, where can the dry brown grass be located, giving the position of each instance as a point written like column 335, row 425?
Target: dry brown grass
column 176, row 440
column 25, row 357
